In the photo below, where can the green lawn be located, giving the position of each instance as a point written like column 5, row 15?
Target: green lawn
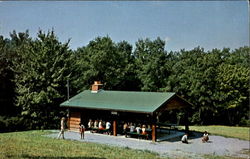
column 227, row 131
column 32, row 144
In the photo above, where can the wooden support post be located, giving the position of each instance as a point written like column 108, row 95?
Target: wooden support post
column 68, row 121
column 154, row 132
column 115, row 128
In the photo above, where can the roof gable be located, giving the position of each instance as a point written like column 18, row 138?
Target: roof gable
column 146, row 102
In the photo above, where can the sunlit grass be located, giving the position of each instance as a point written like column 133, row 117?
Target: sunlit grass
column 33, row 144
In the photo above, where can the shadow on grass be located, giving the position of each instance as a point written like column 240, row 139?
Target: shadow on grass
column 62, row 157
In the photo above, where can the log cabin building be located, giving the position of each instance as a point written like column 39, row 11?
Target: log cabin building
column 121, row 106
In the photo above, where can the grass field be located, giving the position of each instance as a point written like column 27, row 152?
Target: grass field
column 227, row 131
column 33, row 145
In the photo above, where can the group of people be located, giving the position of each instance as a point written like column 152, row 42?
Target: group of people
column 131, row 127
column 127, row 127
column 100, row 124
column 204, row 139
column 97, row 125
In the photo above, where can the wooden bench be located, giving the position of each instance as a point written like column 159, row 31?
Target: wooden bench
column 97, row 130
column 137, row 135
column 140, row 135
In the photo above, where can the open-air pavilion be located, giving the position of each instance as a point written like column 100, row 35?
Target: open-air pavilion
column 122, row 106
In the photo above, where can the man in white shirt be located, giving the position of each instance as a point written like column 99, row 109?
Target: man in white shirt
column 184, row 139
column 108, row 126
column 132, row 128
column 138, row 129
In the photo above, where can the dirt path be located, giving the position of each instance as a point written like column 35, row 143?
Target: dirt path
column 218, row 145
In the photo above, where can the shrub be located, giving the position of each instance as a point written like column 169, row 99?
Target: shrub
column 11, row 123
column 244, row 122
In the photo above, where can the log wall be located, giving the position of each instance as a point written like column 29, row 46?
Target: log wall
column 74, row 120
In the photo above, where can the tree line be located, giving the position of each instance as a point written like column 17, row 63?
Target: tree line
column 34, row 74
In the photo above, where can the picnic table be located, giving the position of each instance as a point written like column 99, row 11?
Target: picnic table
column 140, row 135
column 163, row 126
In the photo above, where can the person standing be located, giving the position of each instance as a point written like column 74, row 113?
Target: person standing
column 61, row 133
column 81, row 130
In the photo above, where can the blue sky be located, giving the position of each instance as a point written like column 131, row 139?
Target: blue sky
column 184, row 24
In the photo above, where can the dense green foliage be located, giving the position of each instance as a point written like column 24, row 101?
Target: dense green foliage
column 34, row 74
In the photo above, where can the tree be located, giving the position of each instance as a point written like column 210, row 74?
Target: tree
column 239, row 56
column 194, row 78
column 41, row 72
column 106, row 61
column 7, row 86
column 233, row 86
column 151, row 64
column 215, row 81
column 129, row 80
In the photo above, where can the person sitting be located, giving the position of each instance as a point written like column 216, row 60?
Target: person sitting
column 100, row 126
column 90, row 124
column 138, row 129
column 96, row 124
column 184, row 138
column 128, row 126
column 108, row 127
column 144, row 130
column 205, row 137
column 132, row 127
column 125, row 127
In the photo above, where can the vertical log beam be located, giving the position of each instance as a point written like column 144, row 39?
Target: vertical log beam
column 154, row 132
column 68, row 119
column 115, row 128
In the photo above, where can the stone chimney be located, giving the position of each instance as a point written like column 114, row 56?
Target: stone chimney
column 96, row 87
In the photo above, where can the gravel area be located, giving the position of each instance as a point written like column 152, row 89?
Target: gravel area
column 217, row 145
